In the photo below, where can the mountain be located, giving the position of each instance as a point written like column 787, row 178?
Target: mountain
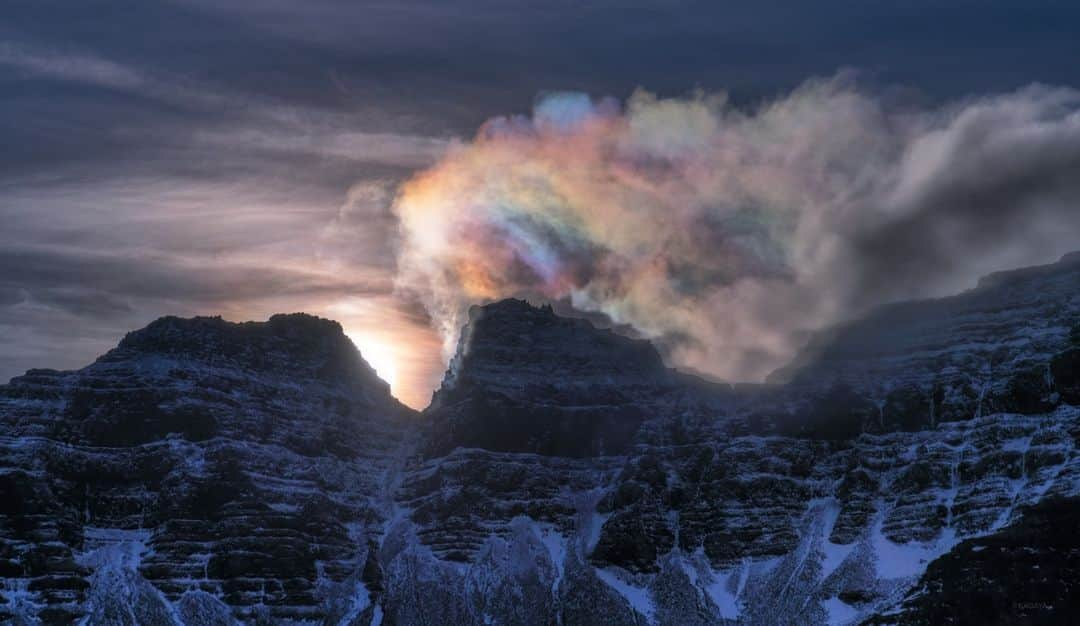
column 919, row 465
column 201, row 469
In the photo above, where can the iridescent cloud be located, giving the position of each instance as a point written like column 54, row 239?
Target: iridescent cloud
column 728, row 234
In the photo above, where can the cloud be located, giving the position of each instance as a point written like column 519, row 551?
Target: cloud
column 90, row 281
column 85, row 300
column 244, row 122
column 729, row 234
column 87, row 69
column 85, row 262
column 308, row 140
column 231, row 156
column 203, row 201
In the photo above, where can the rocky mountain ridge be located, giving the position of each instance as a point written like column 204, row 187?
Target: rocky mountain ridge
column 201, row 472
column 917, row 466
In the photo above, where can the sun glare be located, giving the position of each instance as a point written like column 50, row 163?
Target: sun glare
column 379, row 355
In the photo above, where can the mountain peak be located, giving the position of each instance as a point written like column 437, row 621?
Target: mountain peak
column 543, row 348
column 294, row 341
column 171, row 330
column 509, row 306
column 527, row 379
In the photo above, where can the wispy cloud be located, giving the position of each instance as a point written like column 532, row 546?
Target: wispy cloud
column 71, row 67
column 241, row 207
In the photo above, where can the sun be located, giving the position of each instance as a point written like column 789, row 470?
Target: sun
column 379, row 354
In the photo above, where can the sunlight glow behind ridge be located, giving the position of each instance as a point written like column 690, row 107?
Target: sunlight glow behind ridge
column 379, row 354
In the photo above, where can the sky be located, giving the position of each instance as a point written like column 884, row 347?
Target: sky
column 723, row 178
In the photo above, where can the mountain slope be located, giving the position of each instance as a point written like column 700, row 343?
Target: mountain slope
column 823, row 500
column 914, row 467
column 199, row 464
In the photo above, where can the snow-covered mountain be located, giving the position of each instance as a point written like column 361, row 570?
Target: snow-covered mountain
column 916, row 466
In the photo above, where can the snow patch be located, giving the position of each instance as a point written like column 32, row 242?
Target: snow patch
column 896, row 560
column 556, row 547
column 1020, row 444
column 282, row 507
column 839, row 612
column 20, row 601
column 596, row 524
column 638, row 597
column 723, row 587
column 834, row 554
column 113, row 546
column 361, row 600
column 723, row 596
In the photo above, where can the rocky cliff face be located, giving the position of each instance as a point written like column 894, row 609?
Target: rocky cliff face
column 992, row 349
column 201, row 472
column 917, row 466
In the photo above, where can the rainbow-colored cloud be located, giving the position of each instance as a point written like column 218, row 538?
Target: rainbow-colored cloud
column 725, row 234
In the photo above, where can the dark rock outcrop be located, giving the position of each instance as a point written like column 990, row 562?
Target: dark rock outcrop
column 1027, row 573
